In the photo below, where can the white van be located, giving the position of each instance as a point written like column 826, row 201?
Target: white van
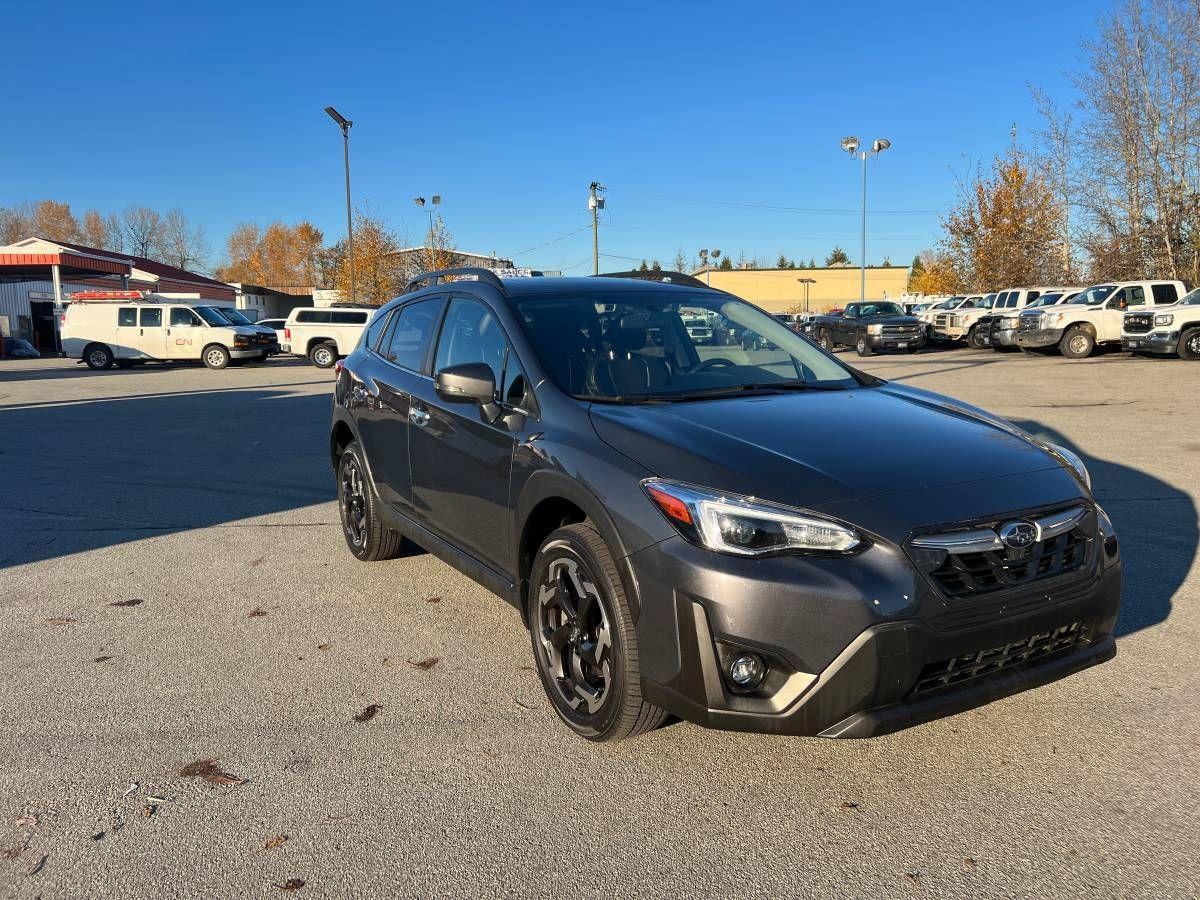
column 121, row 328
column 324, row 334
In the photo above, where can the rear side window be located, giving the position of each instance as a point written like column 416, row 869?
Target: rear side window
column 375, row 329
column 313, row 315
column 349, row 318
column 150, row 318
column 181, row 316
column 1164, row 293
column 127, row 316
column 408, row 339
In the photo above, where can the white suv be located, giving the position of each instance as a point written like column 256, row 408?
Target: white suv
column 323, row 334
column 1095, row 316
column 1166, row 330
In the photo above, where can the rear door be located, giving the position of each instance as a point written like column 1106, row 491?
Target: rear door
column 461, row 462
column 128, row 342
column 843, row 328
column 391, row 371
column 152, row 335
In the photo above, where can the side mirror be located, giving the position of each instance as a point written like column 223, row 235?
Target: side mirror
column 469, row 383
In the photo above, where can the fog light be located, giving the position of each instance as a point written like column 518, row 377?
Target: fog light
column 747, row 671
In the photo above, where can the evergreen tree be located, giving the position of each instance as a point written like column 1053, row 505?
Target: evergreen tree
column 837, row 257
column 726, row 264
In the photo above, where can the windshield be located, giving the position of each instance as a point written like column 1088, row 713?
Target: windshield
column 1094, row 296
column 210, row 315
column 1192, row 299
column 1044, row 300
column 234, row 316
column 881, row 309
column 635, row 347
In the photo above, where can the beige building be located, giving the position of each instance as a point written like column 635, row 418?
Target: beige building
column 779, row 290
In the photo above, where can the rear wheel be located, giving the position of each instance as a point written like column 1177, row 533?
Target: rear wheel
column 366, row 536
column 216, row 356
column 1077, row 343
column 323, row 356
column 1189, row 344
column 98, row 357
column 584, row 640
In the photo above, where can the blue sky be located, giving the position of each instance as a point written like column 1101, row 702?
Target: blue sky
column 694, row 115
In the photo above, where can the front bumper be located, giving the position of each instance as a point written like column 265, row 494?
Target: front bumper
column 245, row 353
column 850, row 642
column 1039, row 337
column 895, row 341
column 949, row 332
column 1002, row 337
column 1165, row 342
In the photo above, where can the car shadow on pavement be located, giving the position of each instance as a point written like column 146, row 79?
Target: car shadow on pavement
column 1157, row 526
column 92, row 474
column 38, row 370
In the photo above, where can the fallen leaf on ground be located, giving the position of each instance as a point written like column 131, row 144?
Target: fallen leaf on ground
column 256, row 612
column 847, row 804
column 26, row 821
column 134, row 602
column 277, row 841
column 148, row 810
column 61, row 620
column 152, row 799
column 102, row 659
column 13, row 852
column 968, row 863
column 523, row 705
column 207, row 769
column 428, row 663
column 433, row 599
column 914, row 878
column 257, row 562
column 292, row 884
column 323, row 646
column 369, row 713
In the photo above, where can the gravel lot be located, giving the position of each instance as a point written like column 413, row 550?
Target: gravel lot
column 257, row 640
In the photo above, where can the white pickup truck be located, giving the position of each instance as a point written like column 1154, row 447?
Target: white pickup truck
column 1096, row 316
column 323, row 334
column 960, row 324
column 998, row 329
column 1165, row 330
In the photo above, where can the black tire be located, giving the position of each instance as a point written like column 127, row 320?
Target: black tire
column 1189, row 344
column 323, row 356
column 1077, row 343
column 98, row 357
column 826, row 340
column 973, row 339
column 215, row 356
column 863, row 348
column 574, row 569
column 366, row 536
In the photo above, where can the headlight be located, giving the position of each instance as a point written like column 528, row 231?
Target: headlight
column 874, row 329
column 732, row 523
column 1072, row 459
column 1164, row 319
column 1008, row 322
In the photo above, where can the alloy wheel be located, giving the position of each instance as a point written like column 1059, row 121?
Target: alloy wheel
column 575, row 636
column 352, row 501
column 1193, row 344
column 1079, row 344
column 322, row 357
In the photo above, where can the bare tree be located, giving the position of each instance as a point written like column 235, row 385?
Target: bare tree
column 182, row 244
column 141, row 230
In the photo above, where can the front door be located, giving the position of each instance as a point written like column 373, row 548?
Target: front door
column 391, row 370
column 844, row 327
column 184, row 335
column 1112, row 319
column 461, row 462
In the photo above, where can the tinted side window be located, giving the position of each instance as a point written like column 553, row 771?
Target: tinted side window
column 851, row 312
column 150, row 317
column 348, row 318
column 1136, row 295
column 181, row 316
column 313, row 315
column 375, row 329
column 472, row 334
column 1164, row 293
column 409, row 338
column 127, row 316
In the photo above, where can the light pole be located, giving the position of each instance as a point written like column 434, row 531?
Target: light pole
column 806, row 282
column 704, row 255
column 345, row 124
column 850, row 145
column 435, row 200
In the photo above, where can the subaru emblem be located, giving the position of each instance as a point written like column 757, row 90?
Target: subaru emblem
column 1018, row 535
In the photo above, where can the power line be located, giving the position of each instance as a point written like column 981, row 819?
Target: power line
column 561, row 237
column 792, row 209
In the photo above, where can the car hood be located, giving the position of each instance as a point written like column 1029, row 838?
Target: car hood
column 891, row 320
column 820, row 449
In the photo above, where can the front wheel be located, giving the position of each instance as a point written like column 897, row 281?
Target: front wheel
column 1077, row 343
column 216, row 356
column 975, row 339
column 826, row 341
column 323, row 356
column 863, row 348
column 584, row 639
column 1189, row 344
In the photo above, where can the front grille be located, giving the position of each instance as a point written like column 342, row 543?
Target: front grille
column 1138, row 324
column 993, row 570
column 1029, row 323
column 1017, row 654
column 942, row 320
column 902, row 329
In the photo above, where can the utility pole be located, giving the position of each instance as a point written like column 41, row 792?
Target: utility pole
column 595, row 204
column 851, row 146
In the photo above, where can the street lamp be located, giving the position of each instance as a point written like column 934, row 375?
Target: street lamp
column 806, row 282
column 704, row 255
column 345, row 124
column 435, row 200
column 851, row 145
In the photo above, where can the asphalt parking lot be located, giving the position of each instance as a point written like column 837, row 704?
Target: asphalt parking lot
column 257, row 641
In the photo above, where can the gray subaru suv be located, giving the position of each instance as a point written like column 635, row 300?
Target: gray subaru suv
column 762, row 539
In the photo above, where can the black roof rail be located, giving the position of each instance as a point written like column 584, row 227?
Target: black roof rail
column 658, row 275
column 436, row 277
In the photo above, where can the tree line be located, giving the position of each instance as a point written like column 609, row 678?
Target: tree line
column 1109, row 189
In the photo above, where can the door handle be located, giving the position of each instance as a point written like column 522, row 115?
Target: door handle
column 418, row 417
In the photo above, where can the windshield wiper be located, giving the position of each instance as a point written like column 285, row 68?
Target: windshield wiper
column 756, row 387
